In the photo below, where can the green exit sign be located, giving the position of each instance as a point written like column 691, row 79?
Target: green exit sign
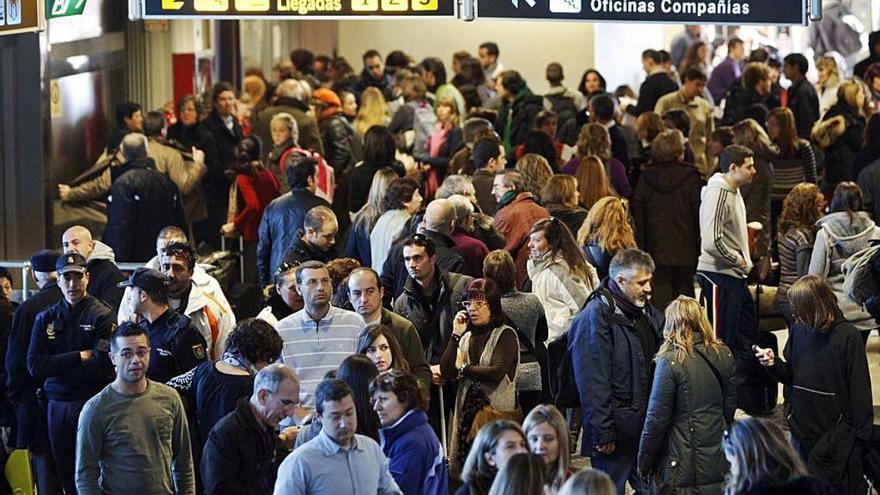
column 64, row 8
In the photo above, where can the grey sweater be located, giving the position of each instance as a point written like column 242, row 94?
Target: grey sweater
column 134, row 442
column 724, row 238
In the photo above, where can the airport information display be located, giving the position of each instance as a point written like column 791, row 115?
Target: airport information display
column 771, row 12
column 274, row 9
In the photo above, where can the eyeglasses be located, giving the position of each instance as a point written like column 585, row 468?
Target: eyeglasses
column 474, row 304
column 314, row 282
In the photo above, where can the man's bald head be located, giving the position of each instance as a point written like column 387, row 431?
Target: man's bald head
column 78, row 239
column 440, row 216
column 134, row 145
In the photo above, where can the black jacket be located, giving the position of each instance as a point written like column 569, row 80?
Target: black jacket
column 176, row 346
column 216, row 183
column 826, row 375
column 142, row 202
column 237, row 458
column 302, row 251
column 104, row 277
column 872, row 58
column 612, row 371
column 688, row 413
column 281, row 222
column 19, row 381
column 652, row 89
column 362, row 178
column 521, row 112
column 199, row 136
column 840, row 156
column 395, row 274
column 804, row 103
column 59, row 334
column 745, row 103
column 573, row 218
column 620, row 147
column 343, row 146
column 666, row 209
column 483, row 181
column 430, row 316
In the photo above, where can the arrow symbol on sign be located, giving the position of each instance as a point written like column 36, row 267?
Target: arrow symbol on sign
column 516, row 3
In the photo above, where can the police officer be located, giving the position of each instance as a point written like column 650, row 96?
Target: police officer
column 30, row 415
column 69, row 353
column 176, row 346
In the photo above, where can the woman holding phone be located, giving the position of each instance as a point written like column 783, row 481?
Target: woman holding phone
column 482, row 354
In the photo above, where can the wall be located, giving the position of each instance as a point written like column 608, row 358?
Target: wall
column 525, row 46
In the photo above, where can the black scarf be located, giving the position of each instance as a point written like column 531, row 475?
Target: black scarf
column 623, row 301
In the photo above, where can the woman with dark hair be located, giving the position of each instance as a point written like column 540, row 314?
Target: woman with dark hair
column 415, row 457
column 522, row 475
column 828, row 383
column 212, row 389
column 189, row 132
column 471, row 82
column 693, row 399
column 845, row 231
column 254, row 187
column 380, row 151
column 796, row 234
column 795, row 162
column 525, row 312
column 762, row 461
column 283, row 300
column 482, row 354
column 378, row 343
column 592, row 83
column 561, row 277
column 540, row 143
column 493, row 446
column 401, row 202
column 358, row 371
column 358, row 244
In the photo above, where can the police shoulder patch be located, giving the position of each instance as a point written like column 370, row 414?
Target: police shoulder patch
column 199, row 351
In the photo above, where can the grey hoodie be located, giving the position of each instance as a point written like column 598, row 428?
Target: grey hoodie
column 839, row 238
column 724, row 238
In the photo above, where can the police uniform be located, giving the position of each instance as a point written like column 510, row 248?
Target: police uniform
column 176, row 346
column 59, row 334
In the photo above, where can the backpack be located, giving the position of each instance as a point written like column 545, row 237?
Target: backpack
column 858, row 275
column 564, row 108
column 563, row 387
column 424, row 120
column 324, row 174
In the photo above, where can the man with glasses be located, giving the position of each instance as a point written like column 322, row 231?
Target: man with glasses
column 134, row 432
column 177, row 345
column 319, row 337
column 68, row 358
column 240, row 454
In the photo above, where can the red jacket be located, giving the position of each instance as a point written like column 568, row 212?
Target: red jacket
column 472, row 250
column 515, row 220
column 257, row 189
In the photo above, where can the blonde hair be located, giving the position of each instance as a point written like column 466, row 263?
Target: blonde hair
column 751, row 135
column 548, row 414
column 535, row 172
column 255, row 87
column 560, row 189
column 826, row 62
column 449, row 102
column 594, row 140
column 848, row 92
column 373, row 110
column 684, row 318
column 607, row 225
column 592, row 181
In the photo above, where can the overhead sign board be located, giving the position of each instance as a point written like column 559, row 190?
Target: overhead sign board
column 297, row 9
column 20, row 16
column 772, row 12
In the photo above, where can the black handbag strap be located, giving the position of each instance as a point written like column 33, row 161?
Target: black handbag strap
column 714, row 371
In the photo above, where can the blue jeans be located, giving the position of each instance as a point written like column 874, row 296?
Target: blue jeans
column 621, row 467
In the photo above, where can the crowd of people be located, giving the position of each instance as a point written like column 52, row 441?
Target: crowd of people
column 464, row 284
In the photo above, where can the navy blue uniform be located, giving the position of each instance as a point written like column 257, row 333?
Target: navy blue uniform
column 175, row 346
column 59, row 334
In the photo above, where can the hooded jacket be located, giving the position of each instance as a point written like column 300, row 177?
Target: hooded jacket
column 142, row 202
column 104, row 275
column 415, row 458
column 724, row 238
column 839, row 237
column 561, row 293
column 309, row 134
column 666, row 209
column 844, row 142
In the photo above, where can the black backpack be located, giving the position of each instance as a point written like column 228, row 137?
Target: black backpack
column 563, row 387
column 564, row 108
